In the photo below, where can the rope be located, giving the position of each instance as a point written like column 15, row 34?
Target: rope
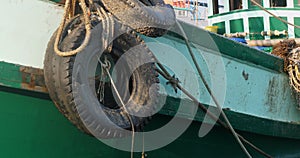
column 293, row 69
column 143, row 150
column 123, row 105
column 72, row 9
column 275, row 16
column 210, row 92
column 62, row 25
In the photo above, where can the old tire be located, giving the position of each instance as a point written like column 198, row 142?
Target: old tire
column 150, row 17
column 72, row 102
column 53, row 81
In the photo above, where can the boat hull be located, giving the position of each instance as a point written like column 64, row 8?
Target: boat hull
column 257, row 98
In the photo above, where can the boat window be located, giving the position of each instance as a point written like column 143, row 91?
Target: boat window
column 215, row 6
column 236, row 4
column 218, row 6
column 278, row 3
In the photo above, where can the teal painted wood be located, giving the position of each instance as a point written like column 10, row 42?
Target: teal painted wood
column 253, row 89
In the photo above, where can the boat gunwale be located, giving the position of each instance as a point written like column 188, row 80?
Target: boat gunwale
column 228, row 47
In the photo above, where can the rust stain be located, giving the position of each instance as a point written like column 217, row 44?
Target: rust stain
column 272, row 94
column 33, row 79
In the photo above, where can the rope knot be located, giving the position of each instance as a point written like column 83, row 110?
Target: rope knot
column 173, row 81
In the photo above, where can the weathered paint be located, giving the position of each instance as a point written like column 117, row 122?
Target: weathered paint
column 33, row 79
column 23, row 77
column 264, row 92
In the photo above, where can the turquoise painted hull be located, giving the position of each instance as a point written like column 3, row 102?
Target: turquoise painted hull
column 257, row 91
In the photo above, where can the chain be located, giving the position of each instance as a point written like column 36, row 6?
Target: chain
column 102, row 80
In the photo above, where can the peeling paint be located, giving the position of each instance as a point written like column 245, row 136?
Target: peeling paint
column 33, row 79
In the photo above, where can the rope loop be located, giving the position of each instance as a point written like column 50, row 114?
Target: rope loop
column 69, row 13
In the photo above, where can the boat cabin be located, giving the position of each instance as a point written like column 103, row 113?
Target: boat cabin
column 245, row 17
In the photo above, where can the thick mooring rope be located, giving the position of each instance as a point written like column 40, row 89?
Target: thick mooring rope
column 68, row 13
